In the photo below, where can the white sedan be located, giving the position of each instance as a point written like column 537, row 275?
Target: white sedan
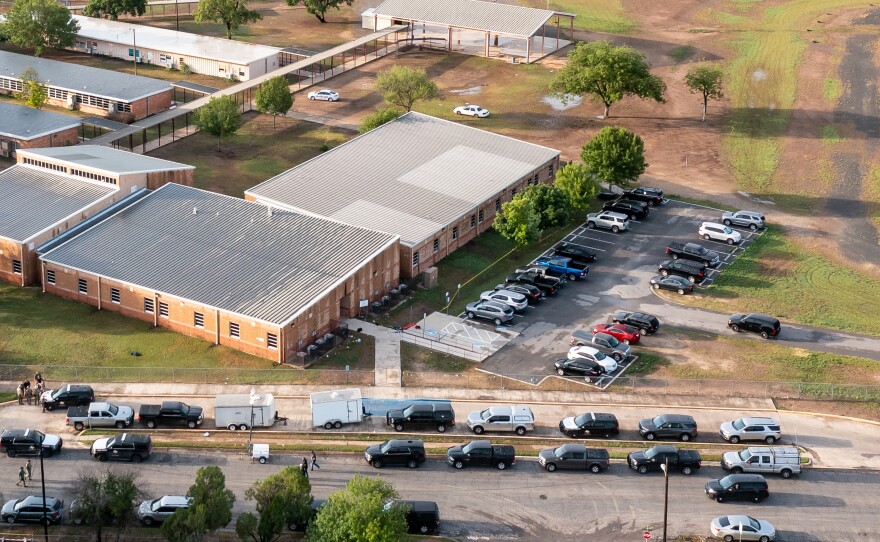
column 326, row 95
column 736, row 528
column 591, row 354
column 471, row 110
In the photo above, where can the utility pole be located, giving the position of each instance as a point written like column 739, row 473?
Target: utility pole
column 43, row 483
column 665, row 467
column 177, row 15
column 134, row 44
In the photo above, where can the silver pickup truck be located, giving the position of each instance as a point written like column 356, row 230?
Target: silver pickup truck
column 100, row 415
column 782, row 460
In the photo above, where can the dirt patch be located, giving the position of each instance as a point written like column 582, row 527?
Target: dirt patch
column 864, row 411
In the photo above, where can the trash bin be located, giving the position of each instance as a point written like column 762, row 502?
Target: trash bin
column 312, row 350
column 395, row 293
column 402, row 289
column 377, row 306
column 321, row 346
column 385, row 300
column 330, row 339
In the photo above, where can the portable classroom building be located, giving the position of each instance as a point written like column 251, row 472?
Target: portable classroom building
column 333, row 408
column 234, row 411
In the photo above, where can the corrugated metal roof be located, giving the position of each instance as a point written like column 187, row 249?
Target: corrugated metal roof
column 33, row 199
column 26, row 123
column 471, row 14
column 231, row 254
column 410, row 177
column 83, row 79
column 106, row 159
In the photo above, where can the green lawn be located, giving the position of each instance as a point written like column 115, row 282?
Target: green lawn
column 597, row 15
column 417, row 358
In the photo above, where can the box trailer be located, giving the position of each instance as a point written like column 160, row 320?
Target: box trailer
column 235, row 411
column 331, row 409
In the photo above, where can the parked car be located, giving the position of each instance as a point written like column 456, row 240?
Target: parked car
column 422, row 517
column 489, row 310
column 566, row 267
column 766, row 326
column 515, row 301
column 124, row 447
column 673, row 283
column 591, row 354
column 782, row 460
column 471, row 111
column 766, row 429
column 742, row 528
column 738, row 487
column 325, row 95
column 602, row 342
column 689, row 269
column 648, row 194
column 155, row 511
column 481, row 453
column 592, row 423
column 635, row 210
column 646, row 323
column 608, row 220
column 712, row 231
column 680, row 426
column 30, row 510
column 693, row 251
column 623, row 333
column 67, row 396
column 655, row 457
column 15, row 442
column 518, row 419
column 574, row 456
column 418, row 415
column 171, row 412
column 532, row 293
column 548, row 285
column 545, row 271
column 317, row 504
column 395, row 453
column 752, row 220
column 575, row 252
column 579, row 367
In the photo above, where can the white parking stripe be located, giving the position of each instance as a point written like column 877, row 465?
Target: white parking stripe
column 611, row 233
column 581, row 244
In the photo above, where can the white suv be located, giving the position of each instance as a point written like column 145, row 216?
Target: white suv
column 615, row 222
column 766, row 429
column 719, row 232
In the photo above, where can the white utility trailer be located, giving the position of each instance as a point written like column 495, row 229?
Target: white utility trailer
column 240, row 411
column 331, row 409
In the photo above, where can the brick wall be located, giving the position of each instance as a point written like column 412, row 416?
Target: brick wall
column 179, row 176
column 11, row 250
column 69, row 136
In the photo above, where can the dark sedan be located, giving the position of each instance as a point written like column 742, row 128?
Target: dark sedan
column 575, row 252
column 578, row 367
column 674, row 283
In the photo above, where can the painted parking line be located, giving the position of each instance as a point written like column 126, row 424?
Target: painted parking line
column 592, row 232
column 581, row 244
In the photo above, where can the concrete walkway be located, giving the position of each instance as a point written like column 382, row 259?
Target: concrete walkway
column 388, row 371
column 322, row 119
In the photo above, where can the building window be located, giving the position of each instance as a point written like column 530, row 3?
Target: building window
column 436, row 245
column 198, row 319
column 550, row 170
column 233, row 330
column 498, row 205
column 473, row 220
column 114, row 295
column 536, row 178
column 148, row 305
column 481, row 216
column 271, row 340
column 163, row 309
column 50, row 276
column 512, row 194
column 123, row 108
column 83, row 286
column 415, row 258
column 16, row 267
column 455, row 233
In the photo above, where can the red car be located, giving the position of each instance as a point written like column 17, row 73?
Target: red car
column 623, row 333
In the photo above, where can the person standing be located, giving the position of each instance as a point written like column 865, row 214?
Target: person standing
column 304, row 467
column 21, row 477
column 315, row 462
column 28, row 467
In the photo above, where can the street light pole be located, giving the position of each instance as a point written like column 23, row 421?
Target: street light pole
column 43, row 483
column 253, row 400
column 134, row 44
column 665, row 467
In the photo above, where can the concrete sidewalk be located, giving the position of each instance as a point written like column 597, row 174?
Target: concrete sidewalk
column 388, row 371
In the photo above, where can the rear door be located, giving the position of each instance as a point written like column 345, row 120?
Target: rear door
column 353, row 411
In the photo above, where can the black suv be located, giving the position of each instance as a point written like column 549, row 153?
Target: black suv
column 15, row 442
column 680, row 426
column 396, row 452
column 767, row 326
column 739, row 487
column 691, row 270
column 124, row 447
column 67, row 396
column 593, row 423
column 648, row 194
column 647, row 324
column 576, row 252
column 439, row 415
column 421, row 516
column 635, row 210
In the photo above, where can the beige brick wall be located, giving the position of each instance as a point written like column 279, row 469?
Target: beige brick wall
column 58, row 139
column 9, row 251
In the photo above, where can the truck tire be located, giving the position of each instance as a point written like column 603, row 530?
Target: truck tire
column 770, row 440
column 551, row 467
column 501, row 465
column 650, row 436
column 785, row 473
column 423, row 529
column 10, row 453
column 726, row 222
column 398, row 427
column 595, row 468
column 148, row 521
column 101, row 457
column 736, row 470
column 328, row 425
column 337, row 424
column 520, row 430
column 262, row 461
column 49, row 408
column 572, row 277
column 458, row 464
column 441, row 428
column 687, row 470
column 78, row 426
column 685, row 437
column 192, row 424
column 232, row 427
column 151, row 424
column 136, row 458
column 412, row 463
column 615, row 229
column 643, row 469
column 734, row 439
column 120, row 424
column 674, row 256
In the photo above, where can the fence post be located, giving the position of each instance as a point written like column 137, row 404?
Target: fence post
column 832, row 392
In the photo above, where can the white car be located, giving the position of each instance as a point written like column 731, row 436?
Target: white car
column 719, row 232
column 514, row 300
column 471, row 110
column 326, row 95
column 591, row 354
column 736, row 528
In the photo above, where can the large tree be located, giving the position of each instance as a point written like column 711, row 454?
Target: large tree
column 232, row 13
column 404, row 86
column 607, row 73
column 105, row 499
column 378, row 118
column 706, row 81
column 551, row 203
column 274, row 97
column 33, row 93
column 518, row 221
column 615, row 155
column 357, row 514
column 576, row 180
column 220, row 117
column 319, row 8
column 211, row 508
column 282, row 499
column 112, row 9
column 39, row 24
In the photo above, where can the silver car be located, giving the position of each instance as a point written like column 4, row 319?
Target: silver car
column 516, row 301
column 158, row 510
column 766, row 429
column 736, row 528
column 744, row 219
column 489, row 310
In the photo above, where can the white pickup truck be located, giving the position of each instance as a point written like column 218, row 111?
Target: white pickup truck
column 100, row 415
column 782, row 460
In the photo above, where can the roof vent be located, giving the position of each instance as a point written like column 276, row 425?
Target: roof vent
column 269, row 211
column 195, row 210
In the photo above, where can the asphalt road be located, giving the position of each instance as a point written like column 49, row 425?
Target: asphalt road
column 527, row 503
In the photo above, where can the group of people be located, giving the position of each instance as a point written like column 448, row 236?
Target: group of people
column 304, row 466
column 25, row 393
column 24, row 474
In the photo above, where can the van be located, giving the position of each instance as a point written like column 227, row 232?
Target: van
column 738, row 487
column 502, row 418
column 422, row 517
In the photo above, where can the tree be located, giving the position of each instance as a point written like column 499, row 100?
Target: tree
column 608, row 73
column 578, row 183
column 283, row 499
column 274, row 97
column 232, row 13
column 615, row 155
column 319, row 7
column 403, row 86
column 33, row 93
column 112, row 9
column 40, row 24
column 519, row 221
column 211, row 508
column 551, row 204
column 378, row 118
column 106, row 499
column 219, row 117
column 357, row 514
column 705, row 80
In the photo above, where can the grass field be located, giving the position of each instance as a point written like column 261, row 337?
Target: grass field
column 417, row 358
column 597, row 15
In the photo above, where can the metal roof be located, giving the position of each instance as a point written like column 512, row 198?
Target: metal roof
column 106, row 159
column 33, row 200
column 204, row 89
column 108, row 84
column 104, row 122
column 223, row 252
column 471, row 14
column 172, row 41
column 26, row 123
column 410, row 177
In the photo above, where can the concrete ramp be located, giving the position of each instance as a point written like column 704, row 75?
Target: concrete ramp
column 458, row 337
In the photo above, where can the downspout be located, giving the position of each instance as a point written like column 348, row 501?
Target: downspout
column 217, row 328
column 99, row 292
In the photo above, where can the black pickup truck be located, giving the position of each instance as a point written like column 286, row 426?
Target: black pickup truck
column 481, row 453
column 548, row 285
column 439, row 415
column 171, row 412
column 693, row 251
column 686, row 461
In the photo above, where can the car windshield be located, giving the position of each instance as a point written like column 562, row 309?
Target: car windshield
column 582, row 419
column 728, row 231
column 726, row 482
column 558, row 452
column 702, row 250
column 485, row 414
column 112, row 409
column 599, row 356
column 56, row 393
column 745, row 455
column 651, row 453
column 112, row 441
column 155, row 505
column 612, row 342
column 738, row 425
column 657, row 421
column 467, row 447
column 754, row 523
column 385, row 447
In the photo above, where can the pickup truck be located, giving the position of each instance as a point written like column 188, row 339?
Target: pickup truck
column 481, row 453
column 171, row 412
column 566, row 266
column 574, row 456
column 543, row 271
column 783, row 460
column 100, row 415
column 686, row 461
column 548, row 285
column 693, row 251
column 439, row 415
